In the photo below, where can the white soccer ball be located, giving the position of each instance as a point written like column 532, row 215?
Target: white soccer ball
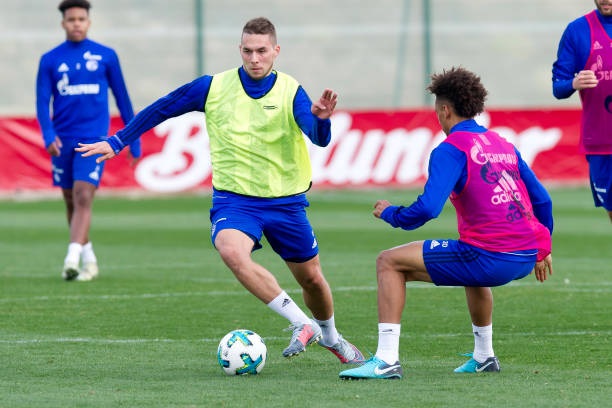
column 242, row 352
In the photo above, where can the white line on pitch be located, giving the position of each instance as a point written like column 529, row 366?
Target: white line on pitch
column 598, row 287
column 279, row 338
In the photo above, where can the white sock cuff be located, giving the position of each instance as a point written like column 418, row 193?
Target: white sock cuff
column 278, row 300
column 390, row 328
column 286, row 307
column 482, row 330
column 331, row 321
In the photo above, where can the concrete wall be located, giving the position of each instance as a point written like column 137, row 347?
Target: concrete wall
column 361, row 49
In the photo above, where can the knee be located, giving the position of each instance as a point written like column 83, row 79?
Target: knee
column 311, row 278
column 82, row 199
column 315, row 281
column 231, row 256
column 384, row 263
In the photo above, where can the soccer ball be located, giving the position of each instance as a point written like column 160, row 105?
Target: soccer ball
column 242, row 352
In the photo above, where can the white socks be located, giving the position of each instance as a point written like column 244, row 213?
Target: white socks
column 74, row 253
column 286, row 307
column 388, row 342
column 483, row 342
column 329, row 331
column 389, row 335
column 88, row 255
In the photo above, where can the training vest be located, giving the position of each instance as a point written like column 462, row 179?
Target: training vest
column 493, row 209
column 256, row 146
column 596, row 126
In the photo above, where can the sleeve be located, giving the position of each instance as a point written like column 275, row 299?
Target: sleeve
column 43, row 101
column 540, row 199
column 122, row 98
column 446, row 165
column 188, row 98
column 572, row 56
column 317, row 130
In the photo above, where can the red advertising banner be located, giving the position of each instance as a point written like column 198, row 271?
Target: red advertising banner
column 368, row 148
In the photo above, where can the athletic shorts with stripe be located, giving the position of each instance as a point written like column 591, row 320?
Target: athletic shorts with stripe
column 454, row 263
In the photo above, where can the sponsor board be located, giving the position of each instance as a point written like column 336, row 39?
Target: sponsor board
column 368, row 148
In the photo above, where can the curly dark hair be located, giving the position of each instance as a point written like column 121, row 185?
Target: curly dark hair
column 66, row 4
column 461, row 88
column 260, row 25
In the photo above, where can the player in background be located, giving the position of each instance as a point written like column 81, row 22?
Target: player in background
column 504, row 218
column 584, row 64
column 255, row 117
column 76, row 77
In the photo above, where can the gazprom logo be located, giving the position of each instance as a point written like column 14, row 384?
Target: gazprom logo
column 64, row 88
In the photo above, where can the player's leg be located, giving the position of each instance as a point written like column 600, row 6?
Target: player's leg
column 290, row 234
column 69, row 204
column 480, row 306
column 600, row 175
column 315, row 289
column 394, row 267
column 83, row 198
column 235, row 232
column 83, row 195
column 319, row 300
column 70, row 270
column 62, row 172
column 87, row 175
column 235, row 248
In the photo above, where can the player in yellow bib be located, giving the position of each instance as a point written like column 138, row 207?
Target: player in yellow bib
column 256, row 118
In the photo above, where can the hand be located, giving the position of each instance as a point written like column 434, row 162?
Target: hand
column 585, row 79
column 325, row 106
column 543, row 266
column 55, row 148
column 379, row 207
column 102, row 148
column 133, row 160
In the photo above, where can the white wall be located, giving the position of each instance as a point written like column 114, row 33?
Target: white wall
column 350, row 46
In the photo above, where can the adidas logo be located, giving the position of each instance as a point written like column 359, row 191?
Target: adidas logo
column 286, row 302
column 433, row 244
column 95, row 175
column 63, row 68
column 597, row 46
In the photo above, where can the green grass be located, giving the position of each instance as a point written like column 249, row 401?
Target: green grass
column 145, row 333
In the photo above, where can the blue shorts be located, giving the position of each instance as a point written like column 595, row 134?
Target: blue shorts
column 70, row 166
column 454, row 263
column 282, row 221
column 600, row 175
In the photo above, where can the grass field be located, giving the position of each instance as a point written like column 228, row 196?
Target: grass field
column 145, row 333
